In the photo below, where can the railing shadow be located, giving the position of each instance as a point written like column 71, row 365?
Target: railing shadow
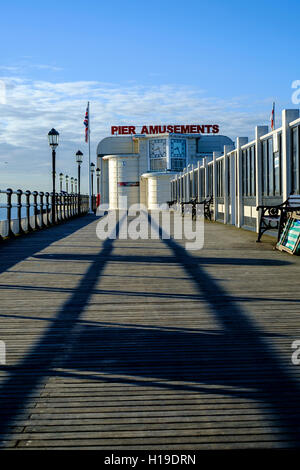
column 235, row 359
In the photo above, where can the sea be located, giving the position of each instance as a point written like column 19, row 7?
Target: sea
column 14, row 213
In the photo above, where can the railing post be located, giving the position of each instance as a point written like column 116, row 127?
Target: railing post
column 9, row 192
column 35, row 209
column 56, row 207
column 19, row 207
column 41, row 194
column 64, row 205
column 27, row 194
column 59, row 204
column 47, row 208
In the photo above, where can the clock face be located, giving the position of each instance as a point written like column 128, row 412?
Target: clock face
column 178, row 148
column 158, row 148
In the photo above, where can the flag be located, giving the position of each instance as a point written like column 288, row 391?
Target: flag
column 272, row 117
column 86, row 122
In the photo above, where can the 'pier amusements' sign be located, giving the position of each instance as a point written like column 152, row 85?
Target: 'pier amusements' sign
column 170, row 129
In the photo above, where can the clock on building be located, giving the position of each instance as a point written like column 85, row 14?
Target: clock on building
column 158, row 148
column 178, row 148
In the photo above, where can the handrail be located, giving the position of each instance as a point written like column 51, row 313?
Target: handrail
column 28, row 211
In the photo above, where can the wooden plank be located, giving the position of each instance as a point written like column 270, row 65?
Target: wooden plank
column 140, row 345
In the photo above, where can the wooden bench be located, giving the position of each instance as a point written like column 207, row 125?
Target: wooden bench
column 273, row 217
column 207, row 203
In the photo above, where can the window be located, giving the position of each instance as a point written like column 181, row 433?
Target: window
column 277, row 168
column 158, row 154
column 178, row 154
column 248, row 172
column 265, row 167
column 202, row 183
column 219, row 165
column 210, row 180
column 295, row 160
column 271, row 167
column 252, row 172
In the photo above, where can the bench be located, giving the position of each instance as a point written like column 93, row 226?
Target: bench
column 273, row 217
column 207, row 203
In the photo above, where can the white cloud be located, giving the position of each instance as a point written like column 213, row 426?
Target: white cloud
column 34, row 107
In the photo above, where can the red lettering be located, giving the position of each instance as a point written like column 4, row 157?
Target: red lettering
column 176, row 129
column 153, row 130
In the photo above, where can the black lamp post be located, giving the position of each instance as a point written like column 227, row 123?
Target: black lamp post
column 79, row 158
column 72, row 185
column 53, row 136
column 61, row 178
column 92, row 177
column 98, row 173
column 67, row 183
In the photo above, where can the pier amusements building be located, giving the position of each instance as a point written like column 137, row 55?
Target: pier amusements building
column 139, row 163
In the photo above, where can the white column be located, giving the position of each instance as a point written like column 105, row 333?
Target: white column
column 288, row 115
column 193, row 182
column 198, row 176
column 215, row 186
column 232, row 187
column 259, row 132
column 205, row 177
column 240, row 141
column 187, row 183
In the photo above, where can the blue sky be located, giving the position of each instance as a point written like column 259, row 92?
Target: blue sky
column 138, row 63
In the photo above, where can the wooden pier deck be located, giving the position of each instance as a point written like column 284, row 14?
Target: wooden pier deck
column 142, row 345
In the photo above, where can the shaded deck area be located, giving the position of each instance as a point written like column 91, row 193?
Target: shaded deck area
column 132, row 345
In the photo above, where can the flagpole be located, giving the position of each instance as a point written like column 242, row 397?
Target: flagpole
column 90, row 176
column 274, row 115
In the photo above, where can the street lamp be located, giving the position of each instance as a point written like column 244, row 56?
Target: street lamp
column 92, row 175
column 79, row 158
column 53, row 136
column 67, row 183
column 98, row 173
column 61, row 178
column 72, row 185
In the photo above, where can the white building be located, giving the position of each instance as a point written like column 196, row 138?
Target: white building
column 141, row 166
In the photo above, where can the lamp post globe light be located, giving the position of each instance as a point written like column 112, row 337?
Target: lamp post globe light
column 98, row 173
column 53, row 137
column 79, row 158
column 92, row 178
